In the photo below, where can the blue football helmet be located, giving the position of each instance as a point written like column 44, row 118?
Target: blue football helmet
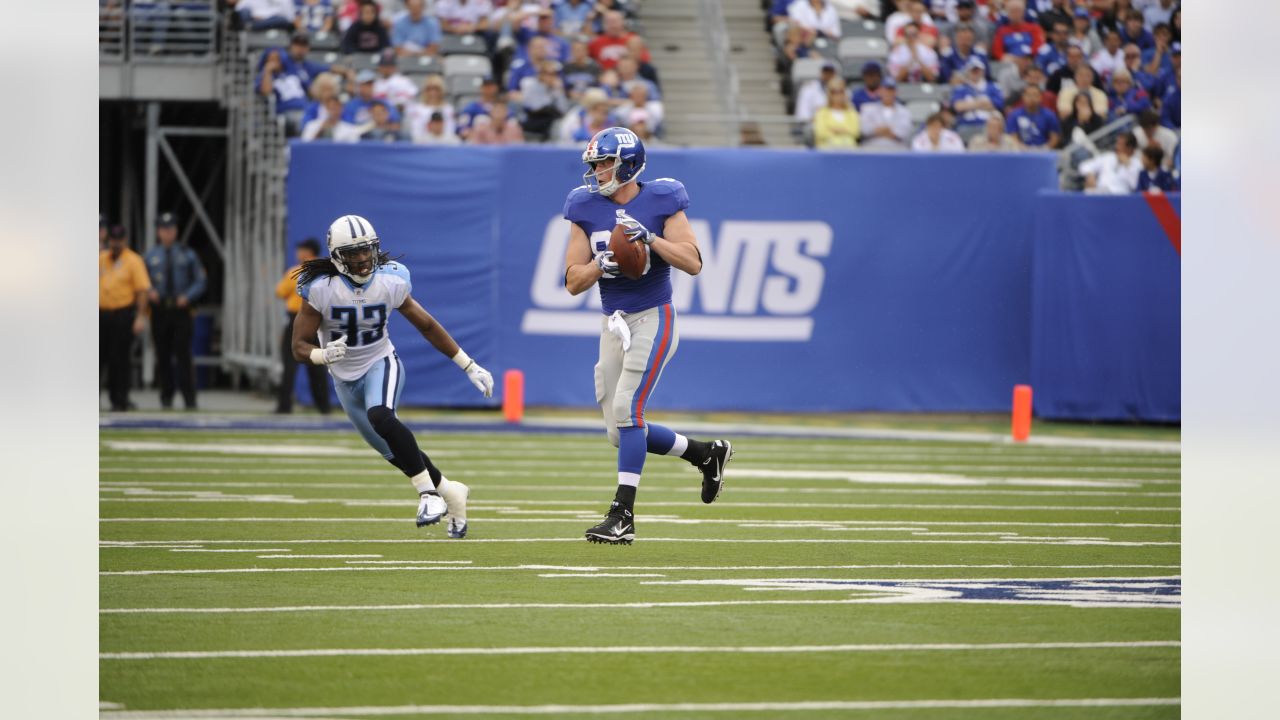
column 614, row 142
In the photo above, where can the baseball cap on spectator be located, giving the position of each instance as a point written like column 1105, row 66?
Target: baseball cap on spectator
column 388, row 57
column 436, row 116
column 871, row 66
column 116, row 232
column 300, row 38
column 311, row 244
column 889, row 82
column 166, row 219
column 975, row 63
column 366, row 76
column 1176, row 48
column 1081, row 11
column 828, row 65
column 966, row 3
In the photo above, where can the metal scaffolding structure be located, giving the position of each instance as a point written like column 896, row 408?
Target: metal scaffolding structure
column 257, row 153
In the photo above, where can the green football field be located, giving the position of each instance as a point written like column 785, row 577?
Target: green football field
column 280, row 574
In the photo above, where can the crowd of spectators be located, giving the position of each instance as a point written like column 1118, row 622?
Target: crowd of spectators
column 1002, row 76
column 556, row 70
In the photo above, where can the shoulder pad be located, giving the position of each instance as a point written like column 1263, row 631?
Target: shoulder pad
column 576, row 198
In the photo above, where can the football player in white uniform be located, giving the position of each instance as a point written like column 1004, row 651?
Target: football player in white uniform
column 348, row 298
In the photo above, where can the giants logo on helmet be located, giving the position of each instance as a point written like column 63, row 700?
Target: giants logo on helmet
column 760, row 281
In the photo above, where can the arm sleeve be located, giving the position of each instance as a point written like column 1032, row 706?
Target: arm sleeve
column 198, row 277
column 141, row 280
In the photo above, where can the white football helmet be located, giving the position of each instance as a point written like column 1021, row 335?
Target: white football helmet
column 354, row 247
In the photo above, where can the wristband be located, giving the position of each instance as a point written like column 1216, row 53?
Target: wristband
column 462, row 360
column 317, row 356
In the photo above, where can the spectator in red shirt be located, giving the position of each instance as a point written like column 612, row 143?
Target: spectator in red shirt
column 1017, row 30
column 611, row 44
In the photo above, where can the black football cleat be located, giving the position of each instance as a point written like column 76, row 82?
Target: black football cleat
column 617, row 528
column 713, row 469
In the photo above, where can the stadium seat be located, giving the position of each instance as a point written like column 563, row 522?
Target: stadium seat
column 924, row 91
column 361, row 61
column 422, row 65
column 463, row 85
column 922, row 109
column 324, row 57
column 854, row 52
column 824, row 48
column 462, row 45
column 803, row 69
column 325, row 41
column 467, row 65
column 266, row 39
column 861, row 28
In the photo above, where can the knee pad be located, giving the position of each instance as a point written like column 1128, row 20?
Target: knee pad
column 380, row 417
column 614, row 437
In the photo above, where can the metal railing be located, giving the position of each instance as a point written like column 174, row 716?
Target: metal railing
column 257, row 149
column 722, row 70
column 159, row 30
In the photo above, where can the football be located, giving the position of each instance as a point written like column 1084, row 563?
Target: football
column 632, row 257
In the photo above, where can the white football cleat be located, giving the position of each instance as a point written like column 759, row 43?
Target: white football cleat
column 431, row 507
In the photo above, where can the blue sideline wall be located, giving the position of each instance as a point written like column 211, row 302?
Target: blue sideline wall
column 831, row 282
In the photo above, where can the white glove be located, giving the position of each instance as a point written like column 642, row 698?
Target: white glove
column 635, row 231
column 604, row 261
column 481, row 378
column 331, row 353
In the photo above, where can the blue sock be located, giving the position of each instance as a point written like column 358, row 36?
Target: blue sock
column 661, row 439
column 631, row 449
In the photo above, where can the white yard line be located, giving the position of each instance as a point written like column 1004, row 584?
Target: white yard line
column 634, row 650
column 235, row 550
column 608, row 710
column 594, row 467
column 315, row 557
column 285, row 499
column 574, row 516
column 398, row 488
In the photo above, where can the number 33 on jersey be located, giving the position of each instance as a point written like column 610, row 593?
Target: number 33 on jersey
column 359, row 312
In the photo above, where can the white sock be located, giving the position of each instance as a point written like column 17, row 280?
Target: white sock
column 629, row 479
column 422, row 482
column 681, row 444
column 448, row 490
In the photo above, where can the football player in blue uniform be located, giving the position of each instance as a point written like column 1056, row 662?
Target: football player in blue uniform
column 638, row 333
column 348, row 298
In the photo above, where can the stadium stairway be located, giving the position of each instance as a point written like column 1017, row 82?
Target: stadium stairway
column 676, row 40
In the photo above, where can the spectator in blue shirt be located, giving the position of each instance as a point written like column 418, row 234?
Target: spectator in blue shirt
column 1053, row 54
column 953, row 60
column 480, row 107
column 1134, row 30
column 357, row 109
column 872, row 76
column 976, row 99
column 287, row 75
column 538, row 51
column 1166, row 79
column 314, row 16
column 557, row 47
column 1154, row 178
column 573, row 16
column 1126, row 97
column 1034, row 125
column 416, row 32
column 177, row 281
column 1158, row 59
column 1171, row 105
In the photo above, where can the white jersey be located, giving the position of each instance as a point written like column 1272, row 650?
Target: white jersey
column 361, row 313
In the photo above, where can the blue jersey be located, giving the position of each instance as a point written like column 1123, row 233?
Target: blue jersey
column 596, row 215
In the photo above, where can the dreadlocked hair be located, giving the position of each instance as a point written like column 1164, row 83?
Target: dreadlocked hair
column 324, row 267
